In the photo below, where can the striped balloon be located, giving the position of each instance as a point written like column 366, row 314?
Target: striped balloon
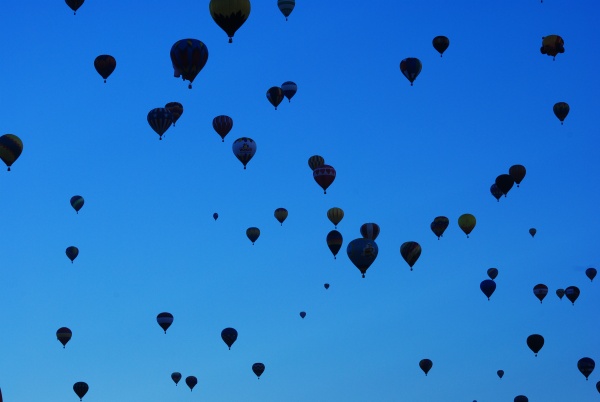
column 286, row 7
column 289, row 89
column 77, row 202
column 410, row 251
column 222, row 125
column 176, row 110
column 188, row 56
column 160, row 119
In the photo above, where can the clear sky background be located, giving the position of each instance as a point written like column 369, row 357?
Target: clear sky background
column 403, row 155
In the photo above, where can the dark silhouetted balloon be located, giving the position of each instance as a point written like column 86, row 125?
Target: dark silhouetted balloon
column 73, row 5
column 230, row 15
column 362, row 252
column 275, row 96
column 229, row 336
column 369, row 230
column 253, row 234
column 439, row 225
column 598, row 386
column 302, row 314
column 244, row 149
column 188, row 57
column 80, row 388
column 315, row 161
column 222, row 125
column 281, row 214
column 426, row 365
column 258, row 369
column 572, row 293
column 77, row 202
column 540, row 291
column 532, row 232
column 191, row 382
column 535, row 343
column 561, row 110
column 560, row 293
column 410, row 251
column 591, row 273
column 586, row 366
column 492, row 273
column 324, row 176
column 441, row 43
column 326, row 286
column 11, row 147
column 176, row 110
column 105, row 64
column 500, row 373
column 176, row 377
column 286, row 7
column 160, row 119
column 164, row 320
column 552, row 45
column 334, row 242
column 72, row 253
column 521, row 398
column 517, row 172
column 411, row 68
column 488, row 287
column 215, row 216
column 467, row 223
column 335, row 215
column 496, row 192
column 505, row 182
column 289, row 89
column 64, row 335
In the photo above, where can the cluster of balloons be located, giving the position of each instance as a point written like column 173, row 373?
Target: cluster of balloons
column 504, row 182
column 275, row 95
column 323, row 174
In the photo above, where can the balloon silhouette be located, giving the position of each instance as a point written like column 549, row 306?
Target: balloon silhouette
column 586, row 366
column 281, row 215
column 324, row 176
column 426, row 365
column 441, row 43
column 369, row 230
column 411, row 68
column 191, row 382
column 64, row 335
column 500, row 373
column 410, row 251
column 258, row 369
column 253, row 234
column 164, row 320
column 11, row 147
column 492, row 273
column 334, row 242
column 105, row 64
column 222, row 125
column 229, row 336
column 488, row 287
column 591, row 273
column 535, row 343
column 176, row 377
column 572, row 293
column 72, row 253
column 517, row 172
column 362, row 252
column 540, row 291
column 244, row 149
column 302, row 314
column 77, row 202
column 80, row 388
column 335, row 215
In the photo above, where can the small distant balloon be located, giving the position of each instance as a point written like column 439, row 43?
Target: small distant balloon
column 281, row 215
column 439, row 225
column 244, row 149
column 81, row 388
column 540, row 291
column 335, row 215
column 160, row 119
column 521, row 398
column 253, row 233
column 505, row 182
column 302, row 314
column 258, row 369
column 500, row 373
column 191, row 382
column 591, row 273
column 369, row 230
column 410, row 251
column 441, row 43
column 73, row 5
column 77, row 202
column 326, row 286
column 552, row 45
column 315, row 161
column 64, row 335
column 586, row 366
column 560, row 293
column 532, row 232
column 286, row 7
column 188, row 57
column 535, row 343
column 561, row 110
column 176, row 377
column 334, row 242
column 105, row 64
column 362, row 252
column 289, row 89
column 324, row 176
column 11, row 147
column 496, row 192
column 222, row 125
column 215, row 216
column 572, row 293
column 467, row 223
column 72, row 253
column 488, row 287
column 411, row 68
column 229, row 336
column 275, row 96
column 492, row 273
column 164, row 320
column 517, row 172
column 426, row 365
column 176, row 110
column 229, row 15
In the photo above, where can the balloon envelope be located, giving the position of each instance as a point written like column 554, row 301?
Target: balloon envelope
column 488, row 287
column 441, row 43
column 176, row 377
column 410, row 251
column 505, row 182
column 572, row 293
column 281, row 215
column 500, row 373
column 275, row 96
column 560, row 293
column 160, row 119
column 188, row 56
column 552, row 45
column 302, row 314
column 439, row 225
column 535, row 343
column 80, row 388
column 11, row 147
column 73, row 5
column 369, row 230
column 532, row 232
column 426, row 365
column 222, row 125
column 72, row 253
column 334, row 242
column 191, row 381
column 517, row 172
column 230, row 15
column 258, row 369
column 496, row 192
column 286, row 7
column 215, row 216
column 335, row 215
column 467, row 223
column 326, row 286
column 253, row 234
column 289, row 89
column 521, row 398
column 64, row 335
column 591, row 273
column 176, row 110
column 561, row 110
column 244, row 149
column 229, row 336
column 411, row 68
column 164, row 320
column 105, row 64
column 540, row 291
column 362, row 252
column 77, row 202
column 315, row 161
column 492, row 273
column 324, row 176
column 586, row 366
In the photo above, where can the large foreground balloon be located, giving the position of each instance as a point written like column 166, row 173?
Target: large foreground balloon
column 517, row 172
column 176, row 110
column 324, row 176
column 335, row 215
column 275, row 96
column 369, row 230
column 72, row 253
column 535, row 343
column 164, row 320
column 315, row 161
column 286, row 7
column 572, row 293
column 258, row 369
column 229, row 336
column 552, row 45
column 410, row 251
column 77, row 202
column 230, row 15
column 362, row 252
column 586, row 366
column 334, row 242
column 591, row 273
column 561, row 110
column 467, row 223
column 411, row 68
column 188, row 57
column 540, row 291
column 64, row 335
column 191, row 382
column 439, row 225
column 11, row 147
column 281, row 214
column 73, row 5
column 105, row 64
column 426, row 365
column 253, row 234
column 244, row 149
column 222, row 125
column 488, row 287
column 176, row 377
column 80, row 388
column 441, row 43
column 160, row 119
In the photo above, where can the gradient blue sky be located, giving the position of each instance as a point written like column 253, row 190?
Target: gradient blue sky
column 403, row 155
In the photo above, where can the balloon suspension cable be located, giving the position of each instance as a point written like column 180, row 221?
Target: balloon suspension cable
column 363, row 275
column 190, row 86
column 230, row 39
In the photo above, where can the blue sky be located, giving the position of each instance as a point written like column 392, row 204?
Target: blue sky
column 403, row 155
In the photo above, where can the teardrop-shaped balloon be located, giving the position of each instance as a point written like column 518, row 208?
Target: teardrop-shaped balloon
column 535, row 343
column 540, row 291
column 289, row 89
column 81, row 388
column 591, row 273
column 164, row 320
column 441, row 43
column 586, row 366
column 191, row 382
column 77, row 202
column 560, row 293
column 72, row 253
column 517, row 172
column 411, row 68
column 258, row 369
column 229, row 15
column 505, row 182
column 275, row 96
column 324, row 176
column 492, row 273
column 281, row 215
column 188, row 57
column 362, row 252
column 561, row 110
column 426, row 365
column 286, row 7
column 74, row 5
column 11, row 147
column 496, row 192
column 369, row 230
column 326, row 286
column 215, row 216
column 532, row 232
column 572, row 293
column 410, row 251
column 176, row 377
column 244, row 149
column 552, row 45
column 160, row 119
column 64, row 335
column 315, row 161
column 335, row 215
column 467, row 223
column 302, row 314
column 439, row 225
column 488, row 287
column 222, row 125
column 253, row 234
column 334, row 242
column 105, row 64
column 500, row 373
column 229, row 336
column 176, row 110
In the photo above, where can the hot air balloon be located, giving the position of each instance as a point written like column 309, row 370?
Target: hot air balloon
column 215, row 216
column 532, row 232
column 597, row 388
column 160, row 119
column 73, row 5
column 560, row 293
column 572, row 293
column 222, row 125
column 188, row 56
column 496, row 192
column 315, row 161
column 335, row 215
column 326, row 286
column 488, row 287
column 176, row 377
column 467, row 223
column 289, row 89
column 176, row 110
column 426, row 365
column 64, row 335
column 80, row 388
column 500, row 373
column 324, row 176
column 517, row 172
column 244, row 149
column 552, row 45
column 286, row 7
column 105, row 64
column 77, row 202
column 505, row 182
column 230, row 15
column 302, row 314
column 258, row 369
column 334, row 242
column 441, row 43
column 411, row 67
column 275, row 96
column 191, row 382
column 492, row 273
column 281, row 214
column 535, row 343
column 229, row 336
column 439, row 225
column 410, row 251
column 591, row 273
column 521, row 398
column 11, row 147
column 586, row 366
column 362, row 252
column 540, row 291
column 72, row 253
column 561, row 110
column 253, row 234
column 164, row 320
column 369, row 231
